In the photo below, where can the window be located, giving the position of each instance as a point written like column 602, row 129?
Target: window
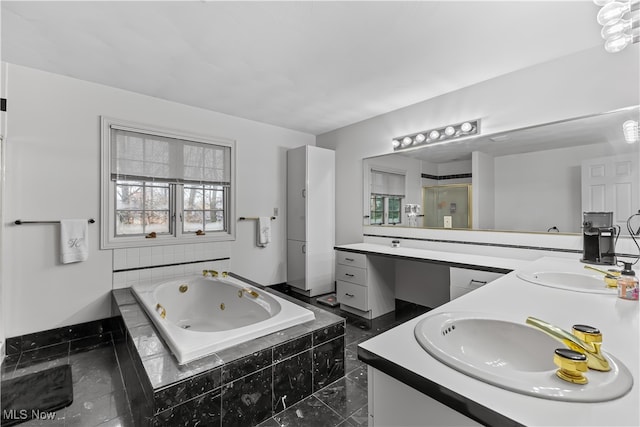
column 174, row 187
column 387, row 193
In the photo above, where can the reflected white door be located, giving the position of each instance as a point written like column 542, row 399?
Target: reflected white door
column 612, row 184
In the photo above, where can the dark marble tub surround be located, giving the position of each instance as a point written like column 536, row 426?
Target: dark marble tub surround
column 242, row 385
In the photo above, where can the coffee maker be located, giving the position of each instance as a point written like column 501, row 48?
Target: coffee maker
column 599, row 238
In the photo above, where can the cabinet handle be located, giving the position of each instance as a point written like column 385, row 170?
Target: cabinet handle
column 304, row 249
column 348, row 274
column 480, row 282
column 349, row 259
column 304, row 193
column 348, row 295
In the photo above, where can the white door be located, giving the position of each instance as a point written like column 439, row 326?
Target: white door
column 612, row 184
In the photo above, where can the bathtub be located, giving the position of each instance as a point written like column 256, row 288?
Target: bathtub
column 198, row 316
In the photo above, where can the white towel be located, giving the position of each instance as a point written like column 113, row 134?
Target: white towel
column 74, row 240
column 264, row 231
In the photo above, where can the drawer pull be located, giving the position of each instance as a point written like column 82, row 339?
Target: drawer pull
column 348, row 274
column 479, row 282
column 349, row 295
column 349, row 259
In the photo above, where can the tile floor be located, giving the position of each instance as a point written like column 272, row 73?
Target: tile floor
column 100, row 397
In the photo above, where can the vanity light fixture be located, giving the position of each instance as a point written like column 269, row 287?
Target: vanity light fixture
column 617, row 31
column 437, row 136
column 630, row 130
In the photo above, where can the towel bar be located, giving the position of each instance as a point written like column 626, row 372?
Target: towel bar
column 20, row 222
column 247, row 218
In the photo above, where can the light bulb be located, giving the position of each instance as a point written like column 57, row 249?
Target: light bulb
column 466, row 127
column 395, row 143
column 616, row 44
column 449, row 130
column 420, row 138
column 434, row 134
column 612, row 12
column 406, row 141
column 617, row 29
column 630, row 130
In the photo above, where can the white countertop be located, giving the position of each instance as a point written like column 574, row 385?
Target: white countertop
column 517, row 299
column 455, row 258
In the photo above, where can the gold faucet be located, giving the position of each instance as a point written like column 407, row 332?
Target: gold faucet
column 584, row 339
column 213, row 273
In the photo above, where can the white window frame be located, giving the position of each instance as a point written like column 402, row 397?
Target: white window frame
column 108, row 238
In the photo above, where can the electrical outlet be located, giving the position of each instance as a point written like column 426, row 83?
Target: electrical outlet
column 447, row 221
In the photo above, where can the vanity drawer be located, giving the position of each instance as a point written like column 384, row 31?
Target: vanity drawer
column 353, row 259
column 351, row 274
column 352, row 295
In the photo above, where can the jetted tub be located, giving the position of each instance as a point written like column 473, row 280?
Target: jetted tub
column 198, row 316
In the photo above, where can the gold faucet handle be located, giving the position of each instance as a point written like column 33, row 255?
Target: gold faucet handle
column 213, row 273
column 572, row 364
column 205, row 272
column 587, row 333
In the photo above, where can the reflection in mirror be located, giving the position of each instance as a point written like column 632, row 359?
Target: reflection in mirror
column 535, row 179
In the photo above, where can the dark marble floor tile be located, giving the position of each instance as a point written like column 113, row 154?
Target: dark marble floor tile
column 351, row 360
column 269, row 423
column 308, row 412
column 355, row 334
column 359, row 376
column 85, row 412
column 343, row 396
column 95, row 373
column 360, row 418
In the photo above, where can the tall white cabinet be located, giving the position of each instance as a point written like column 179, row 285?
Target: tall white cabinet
column 310, row 220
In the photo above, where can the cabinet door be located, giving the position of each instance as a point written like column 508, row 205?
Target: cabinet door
column 296, row 194
column 296, row 264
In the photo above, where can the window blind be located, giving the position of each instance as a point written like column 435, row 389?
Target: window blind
column 140, row 156
column 387, row 184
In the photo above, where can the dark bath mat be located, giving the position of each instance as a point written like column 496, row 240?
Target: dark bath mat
column 36, row 395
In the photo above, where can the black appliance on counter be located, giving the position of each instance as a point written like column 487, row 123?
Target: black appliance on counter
column 599, row 238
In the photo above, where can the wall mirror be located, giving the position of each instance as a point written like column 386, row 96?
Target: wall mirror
column 535, row 179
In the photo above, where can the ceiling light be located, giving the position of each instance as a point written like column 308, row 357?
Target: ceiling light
column 437, row 136
column 630, row 130
column 619, row 32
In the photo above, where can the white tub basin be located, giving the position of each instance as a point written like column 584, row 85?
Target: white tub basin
column 577, row 282
column 513, row 356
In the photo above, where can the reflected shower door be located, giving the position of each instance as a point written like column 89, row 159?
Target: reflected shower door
column 447, row 206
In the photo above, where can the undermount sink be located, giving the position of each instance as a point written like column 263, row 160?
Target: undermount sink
column 577, row 282
column 513, row 356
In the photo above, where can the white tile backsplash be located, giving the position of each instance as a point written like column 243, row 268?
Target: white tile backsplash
column 133, row 257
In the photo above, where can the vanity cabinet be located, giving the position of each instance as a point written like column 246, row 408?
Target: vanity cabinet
column 310, row 220
column 463, row 280
column 363, row 287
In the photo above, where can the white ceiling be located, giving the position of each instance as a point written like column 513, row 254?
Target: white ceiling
column 312, row 66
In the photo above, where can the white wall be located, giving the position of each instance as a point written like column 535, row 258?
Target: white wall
column 53, row 172
column 522, row 191
column 483, row 191
column 588, row 82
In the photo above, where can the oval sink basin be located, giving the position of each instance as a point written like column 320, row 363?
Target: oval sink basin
column 514, row 357
column 576, row 282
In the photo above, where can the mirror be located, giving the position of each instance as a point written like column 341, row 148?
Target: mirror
column 535, row 179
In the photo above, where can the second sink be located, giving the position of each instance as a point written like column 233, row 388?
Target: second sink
column 577, row 282
column 512, row 356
